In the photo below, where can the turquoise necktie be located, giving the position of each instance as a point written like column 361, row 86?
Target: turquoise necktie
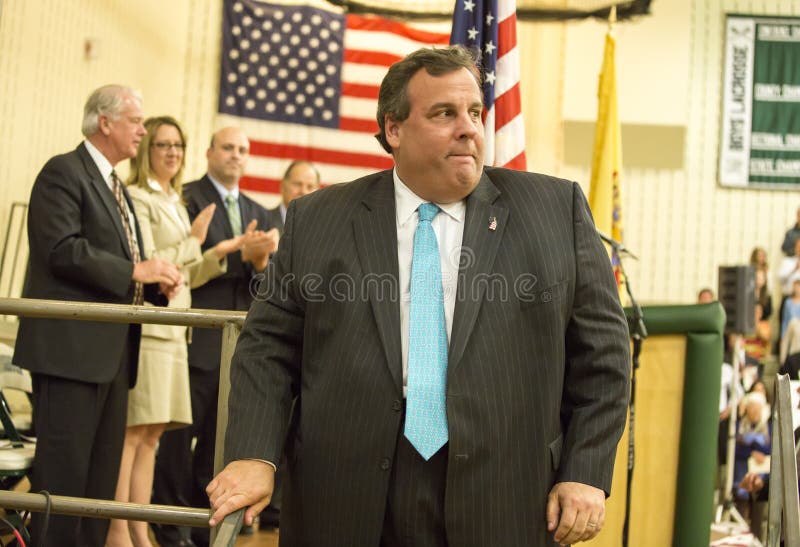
column 232, row 206
column 426, row 414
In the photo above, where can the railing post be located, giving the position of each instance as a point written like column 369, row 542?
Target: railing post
column 783, row 495
column 229, row 528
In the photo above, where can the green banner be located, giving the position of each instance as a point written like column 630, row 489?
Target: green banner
column 760, row 133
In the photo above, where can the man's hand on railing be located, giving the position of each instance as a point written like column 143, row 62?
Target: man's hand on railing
column 243, row 483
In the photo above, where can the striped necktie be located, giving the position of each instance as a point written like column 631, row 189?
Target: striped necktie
column 133, row 245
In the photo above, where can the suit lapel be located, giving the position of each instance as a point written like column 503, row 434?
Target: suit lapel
column 106, row 196
column 164, row 205
column 375, row 233
column 482, row 242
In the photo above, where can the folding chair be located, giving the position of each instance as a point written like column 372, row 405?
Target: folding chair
column 16, row 450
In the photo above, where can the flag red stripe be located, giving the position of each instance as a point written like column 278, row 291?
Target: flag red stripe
column 360, row 22
column 319, row 155
column 358, row 125
column 260, row 184
column 364, row 57
column 507, row 107
column 517, row 162
column 506, row 35
column 361, row 91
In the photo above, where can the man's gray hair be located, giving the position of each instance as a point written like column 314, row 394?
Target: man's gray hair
column 105, row 101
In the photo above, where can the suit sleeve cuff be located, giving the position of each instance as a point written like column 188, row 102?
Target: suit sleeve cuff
column 274, row 467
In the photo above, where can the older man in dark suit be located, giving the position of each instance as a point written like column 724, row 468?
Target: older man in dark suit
column 85, row 246
column 300, row 179
column 182, row 473
column 454, row 339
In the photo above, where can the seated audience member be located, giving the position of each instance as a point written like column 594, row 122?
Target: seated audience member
column 792, row 236
column 160, row 400
column 791, row 307
column 752, row 441
column 756, row 345
column 763, row 297
column 705, row 296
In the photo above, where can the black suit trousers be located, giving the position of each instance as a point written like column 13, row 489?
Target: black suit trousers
column 80, row 428
column 415, row 505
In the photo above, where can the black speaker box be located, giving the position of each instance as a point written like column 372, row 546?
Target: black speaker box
column 737, row 294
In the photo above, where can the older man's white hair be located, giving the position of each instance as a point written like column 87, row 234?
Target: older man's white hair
column 106, row 101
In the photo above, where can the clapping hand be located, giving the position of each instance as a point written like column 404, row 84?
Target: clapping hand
column 200, row 223
column 257, row 245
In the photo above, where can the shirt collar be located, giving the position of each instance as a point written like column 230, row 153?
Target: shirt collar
column 102, row 163
column 407, row 203
column 224, row 192
column 156, row 187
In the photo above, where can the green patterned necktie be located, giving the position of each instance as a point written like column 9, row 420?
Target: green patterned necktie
column 232, row 206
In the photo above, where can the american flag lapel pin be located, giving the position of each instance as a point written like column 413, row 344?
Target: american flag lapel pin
column 493, row 223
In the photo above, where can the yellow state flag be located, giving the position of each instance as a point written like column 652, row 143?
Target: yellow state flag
column 605, row 195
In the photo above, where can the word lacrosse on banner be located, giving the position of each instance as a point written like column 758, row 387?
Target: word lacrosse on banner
column 760, row 141
column 302, row 81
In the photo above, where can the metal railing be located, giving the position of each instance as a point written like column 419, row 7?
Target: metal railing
column 224, row 535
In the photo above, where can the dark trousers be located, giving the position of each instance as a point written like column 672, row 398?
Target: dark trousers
column 181, row 475
column 415, row 505
column 80, row 429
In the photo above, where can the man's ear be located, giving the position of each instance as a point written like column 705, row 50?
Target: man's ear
column 392, row 131
column 104, row 124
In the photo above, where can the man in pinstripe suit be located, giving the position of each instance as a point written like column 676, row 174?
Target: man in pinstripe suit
column 537, row 346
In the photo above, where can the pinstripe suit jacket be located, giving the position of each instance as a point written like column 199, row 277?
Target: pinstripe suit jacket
column 537, row 374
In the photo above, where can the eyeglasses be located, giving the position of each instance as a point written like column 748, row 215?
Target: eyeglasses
column 164, row 146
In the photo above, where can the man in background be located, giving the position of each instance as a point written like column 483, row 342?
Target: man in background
column 181, row 474
column 300, row 178
column 85, row 246
column 791, row 236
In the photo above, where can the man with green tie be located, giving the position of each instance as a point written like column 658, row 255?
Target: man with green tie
column 181, row 475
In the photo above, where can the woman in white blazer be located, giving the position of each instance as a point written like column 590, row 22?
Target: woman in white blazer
column 161, row 398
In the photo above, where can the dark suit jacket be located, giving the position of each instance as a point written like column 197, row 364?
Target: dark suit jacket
column 232, row 290
column 78, row 251
column 538, row 362
column 277, row 219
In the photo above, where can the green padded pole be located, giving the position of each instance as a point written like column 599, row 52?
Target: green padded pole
column 703, row 325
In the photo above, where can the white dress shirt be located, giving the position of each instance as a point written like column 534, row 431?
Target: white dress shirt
column 448, row 226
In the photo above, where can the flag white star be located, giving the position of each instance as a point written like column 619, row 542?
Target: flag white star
column 489, row 18
column 490, row 47
column 473, row 33
column 490, row 78
column 469, row 5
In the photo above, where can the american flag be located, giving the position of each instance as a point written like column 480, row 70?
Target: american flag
column 302, row 82
column 490, row 26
